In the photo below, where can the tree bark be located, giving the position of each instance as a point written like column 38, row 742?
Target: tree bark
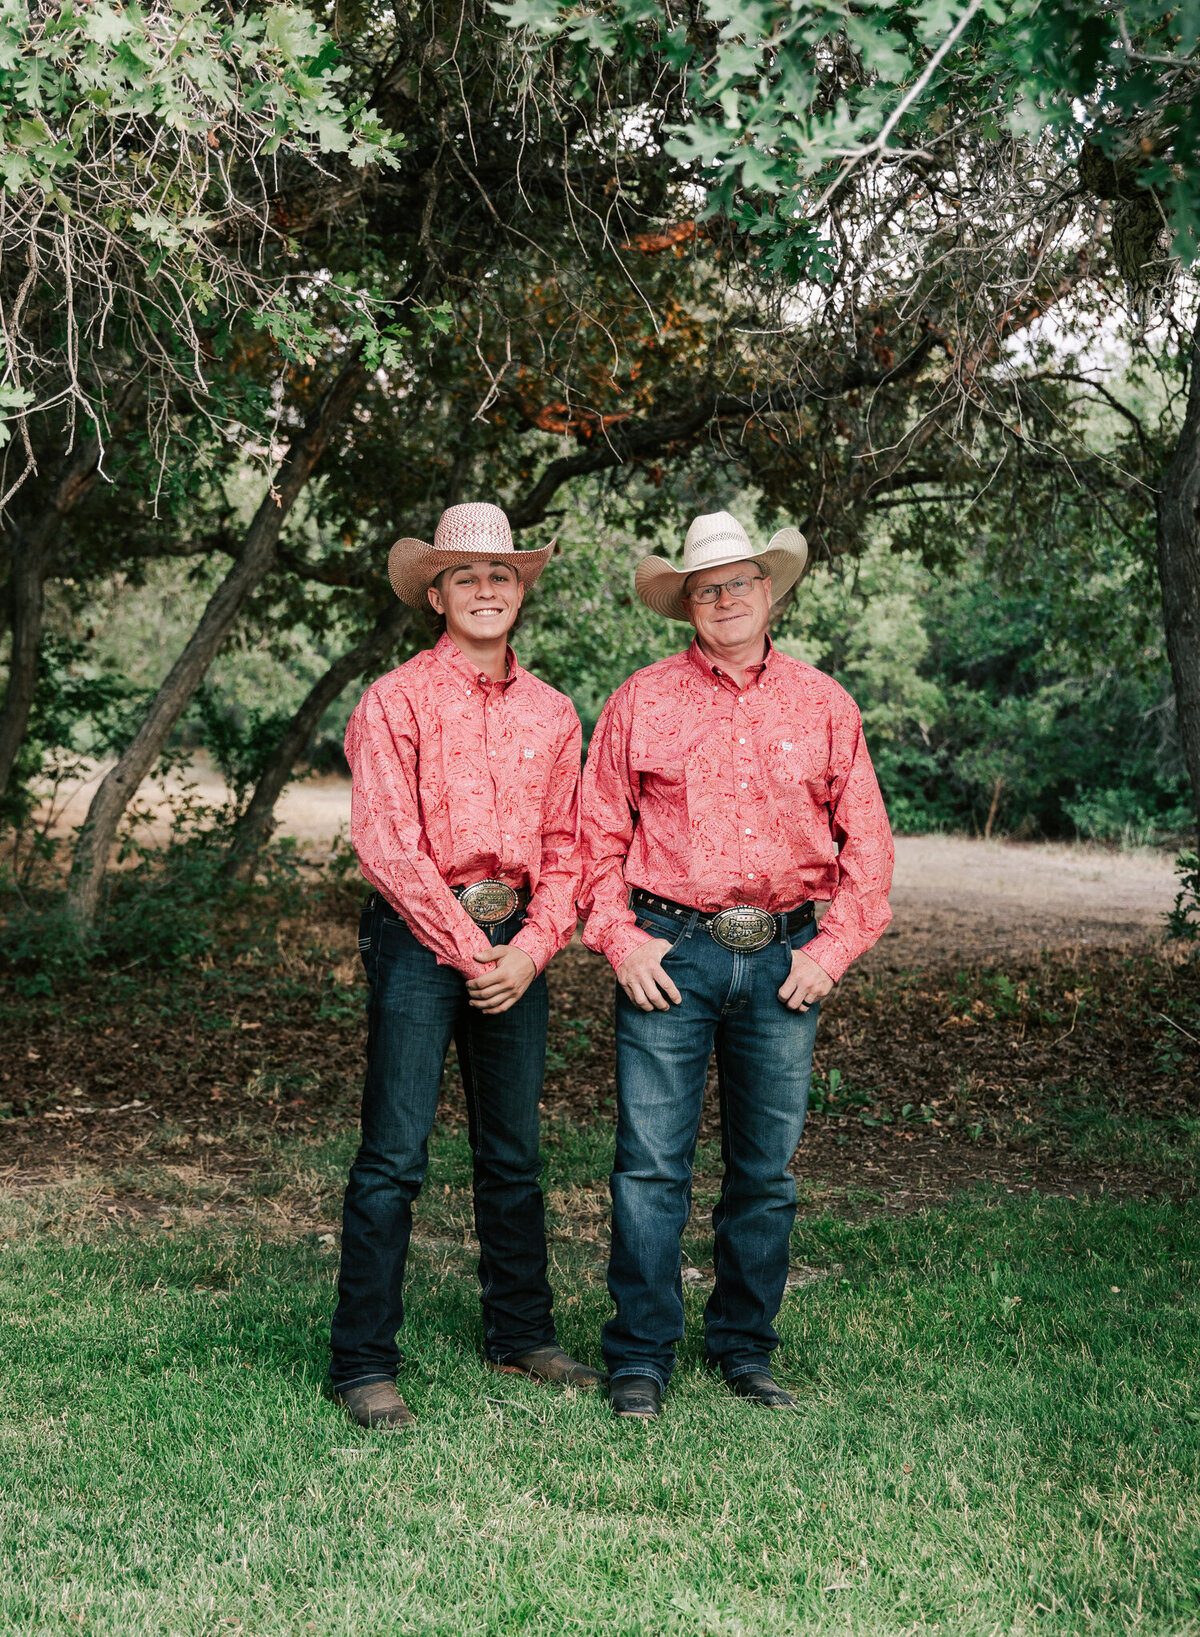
column 1179, row 574
column 31, row 554
column 251, row 564
column 257, row 824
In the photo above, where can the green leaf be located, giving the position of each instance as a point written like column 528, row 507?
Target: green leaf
column 107, row 24
column 16, row 170
column 540, row 15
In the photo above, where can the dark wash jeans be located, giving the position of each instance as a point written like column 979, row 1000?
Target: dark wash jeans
column 414, row 1008
column 764, row 1060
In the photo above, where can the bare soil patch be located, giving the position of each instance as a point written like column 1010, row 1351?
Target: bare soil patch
column 957, row 898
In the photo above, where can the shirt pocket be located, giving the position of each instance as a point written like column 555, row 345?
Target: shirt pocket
column 531, row 775
column 800, row 764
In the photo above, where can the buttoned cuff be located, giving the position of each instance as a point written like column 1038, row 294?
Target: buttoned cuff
column 622, row 941
column 828, row 954
column 533, row 943
column 465, row 964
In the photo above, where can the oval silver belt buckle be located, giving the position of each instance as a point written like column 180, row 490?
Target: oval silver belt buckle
column 489, row 902
column 743, row 928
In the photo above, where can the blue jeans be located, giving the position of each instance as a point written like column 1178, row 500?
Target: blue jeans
column 764, row 1060
column 414, row 1008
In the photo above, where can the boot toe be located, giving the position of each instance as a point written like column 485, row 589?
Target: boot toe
column 761, row 1387
column 378, row 1404
column 553, row 1367
column 635, row 1397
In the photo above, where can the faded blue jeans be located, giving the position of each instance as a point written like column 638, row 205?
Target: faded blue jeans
column 764, row 1060
column 414, row 1008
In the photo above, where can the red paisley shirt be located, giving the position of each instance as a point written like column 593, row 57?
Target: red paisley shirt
column 714, row 795
column 457, row 779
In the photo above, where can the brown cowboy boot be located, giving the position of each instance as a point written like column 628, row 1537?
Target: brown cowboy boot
column 551, row 1366
column 378, row 1404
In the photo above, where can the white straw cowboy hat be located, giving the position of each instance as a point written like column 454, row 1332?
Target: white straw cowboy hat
column 712, row 540
column 465, row 534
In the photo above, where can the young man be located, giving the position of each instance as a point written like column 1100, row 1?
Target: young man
column 726, row 790
column 465, row 821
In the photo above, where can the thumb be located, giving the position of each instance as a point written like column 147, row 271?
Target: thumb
column 494, row 953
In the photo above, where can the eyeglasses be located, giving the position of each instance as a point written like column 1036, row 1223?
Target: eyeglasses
column 736, row 588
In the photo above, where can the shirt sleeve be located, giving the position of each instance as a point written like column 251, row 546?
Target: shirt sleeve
column 387, row 834
column 551, row 915
column 858, row 912
column 610, row 804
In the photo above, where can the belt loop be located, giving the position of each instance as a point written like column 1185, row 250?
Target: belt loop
column 693, row 921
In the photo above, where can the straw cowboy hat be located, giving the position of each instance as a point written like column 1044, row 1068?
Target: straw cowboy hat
column 712, row 540
column 465, row 534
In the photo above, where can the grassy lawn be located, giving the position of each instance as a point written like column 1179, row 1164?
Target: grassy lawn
column 999, row 1432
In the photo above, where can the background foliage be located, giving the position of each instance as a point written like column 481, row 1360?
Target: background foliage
column 864, row 272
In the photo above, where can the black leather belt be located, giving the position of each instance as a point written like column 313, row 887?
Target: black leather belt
column 743, row 928
column 490, row 902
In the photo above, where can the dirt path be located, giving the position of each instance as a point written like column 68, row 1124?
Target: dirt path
column 958, row 898
column 954, row 898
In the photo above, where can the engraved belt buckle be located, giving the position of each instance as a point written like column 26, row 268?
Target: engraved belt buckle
column 743, row 928
column 489, row 902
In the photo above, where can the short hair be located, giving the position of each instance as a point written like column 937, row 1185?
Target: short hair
column 437, row 622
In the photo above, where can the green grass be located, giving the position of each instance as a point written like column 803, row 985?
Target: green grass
column 991, row 1438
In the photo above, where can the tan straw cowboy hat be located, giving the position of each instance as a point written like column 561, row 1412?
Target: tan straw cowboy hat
column 712, row 540
column 465, row 534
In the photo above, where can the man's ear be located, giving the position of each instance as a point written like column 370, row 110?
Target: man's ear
column 520, row 591
column 435, row 601
column 770, row 594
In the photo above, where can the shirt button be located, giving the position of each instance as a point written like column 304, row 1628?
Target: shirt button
column 744, row 785
column 750, row 875
column 741, row 699
column 749, row 832
column 741, row 741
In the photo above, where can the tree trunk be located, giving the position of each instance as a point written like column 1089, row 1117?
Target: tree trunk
column 256, row 825
column 251, row 564
column 31, row 550
column 1179, row 574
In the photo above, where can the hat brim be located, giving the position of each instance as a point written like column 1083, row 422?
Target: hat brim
column 660, row 584
column 413, row 566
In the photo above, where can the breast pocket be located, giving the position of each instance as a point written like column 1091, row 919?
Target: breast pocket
column 798, row 764
column 532, row 772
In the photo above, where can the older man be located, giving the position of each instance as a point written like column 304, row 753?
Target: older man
column 727, row 790
column 465, row 821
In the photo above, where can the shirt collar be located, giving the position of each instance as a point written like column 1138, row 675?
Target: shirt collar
column 452, row 656
column 714, row 673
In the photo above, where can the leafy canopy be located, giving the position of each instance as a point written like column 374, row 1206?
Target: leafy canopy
column 142, row 147
column 782, row 100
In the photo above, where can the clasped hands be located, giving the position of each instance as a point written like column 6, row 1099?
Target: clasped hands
column 509, row 972
column 645, row 980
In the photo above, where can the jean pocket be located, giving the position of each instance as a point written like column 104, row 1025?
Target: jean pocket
column 366, row 933
column 806, row 934
column 659, row 927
